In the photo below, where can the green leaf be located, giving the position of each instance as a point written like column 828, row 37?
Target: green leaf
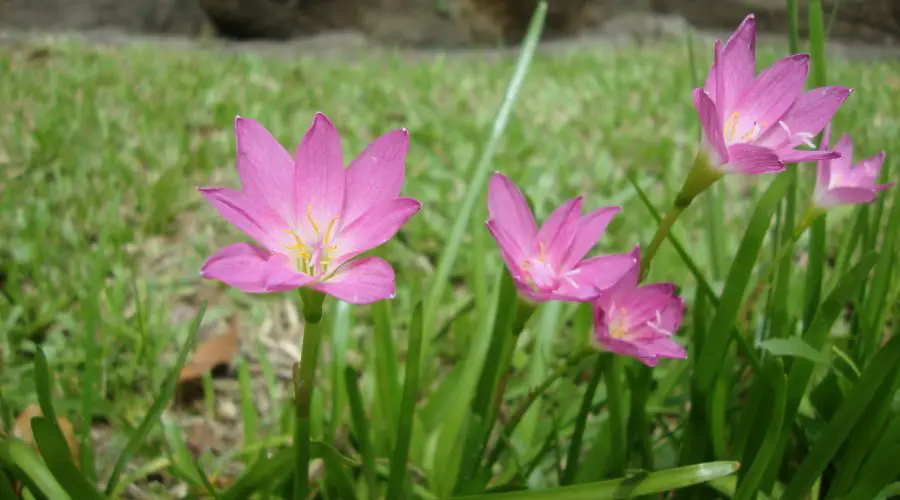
column 342, row 321
column 387, row 385
column 716, row 343
column 15, row 453
column 475, row 184
column 587, row 403
column 58, row 458
column 794, row 347
column 408, row 406
column 502, row 341
column 635, row 485
column 361, row 426
column 166, row 393
column 248, row 407
column 179, row 454
column 855, row 405
column 876, row 302
column 767, row 427
column 876, row 476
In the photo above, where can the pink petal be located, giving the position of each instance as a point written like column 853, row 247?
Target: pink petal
column 844, row 147
column 512, row 253
column 361, row 281
column 591, row 228
column 806, row 118
column 711, row 124
column 774, row 91
column 628, row 281
column 265, row 167
column 593, row 276
column 750, row 159
column 665, row 348
column 376, row 175
column 846, row 196
column 252, row 217
column 643, row 304
column 253, row 270
column 508, row 208
column 738, row 62
column 804, row 156
column 320, row 172
column 559, row 231
column 374, row 227
column 823, row 167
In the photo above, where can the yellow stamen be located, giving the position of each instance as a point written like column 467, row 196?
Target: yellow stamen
column 311, row 221
column 732, row 123
column 543, row 253
column 617, row 328
column 328, row 229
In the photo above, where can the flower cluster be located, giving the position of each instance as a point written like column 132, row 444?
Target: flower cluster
column 312, row 218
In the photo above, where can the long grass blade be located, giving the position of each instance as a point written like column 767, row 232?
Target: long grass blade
column 407, row 407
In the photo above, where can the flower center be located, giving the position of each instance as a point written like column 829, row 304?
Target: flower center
column 539, row 274
column 733, row 124
column 313, row 258
column 618, row 324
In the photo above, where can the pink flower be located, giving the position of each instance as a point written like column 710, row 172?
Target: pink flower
column 547, row 264
column 840, row 183
column 639, row 321
column 310, row 215
column 753, row 124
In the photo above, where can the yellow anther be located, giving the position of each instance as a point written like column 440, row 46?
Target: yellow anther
column 732, row 123
column 299, row 245
column 617, row 327
column 543, row 252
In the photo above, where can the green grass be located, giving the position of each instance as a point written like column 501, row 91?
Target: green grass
column 104, row 233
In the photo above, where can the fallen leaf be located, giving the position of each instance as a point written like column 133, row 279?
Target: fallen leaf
column 23, row 430
column 211, row 353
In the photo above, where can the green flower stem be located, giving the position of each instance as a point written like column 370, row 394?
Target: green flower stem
column 304, row 381
column 700, row 178
column 809, row 217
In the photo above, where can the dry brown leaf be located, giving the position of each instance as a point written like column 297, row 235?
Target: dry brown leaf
column 211, row 353
column 23, row 430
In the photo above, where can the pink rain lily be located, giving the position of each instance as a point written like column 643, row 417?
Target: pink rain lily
column 753, row 124
column 841, row 182
column 639, row 321
column 310, row 216
column 547, row 264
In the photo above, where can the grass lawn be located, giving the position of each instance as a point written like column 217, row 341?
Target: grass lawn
column 101, row 150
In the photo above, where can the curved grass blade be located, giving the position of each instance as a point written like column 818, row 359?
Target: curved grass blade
column 716, row 343
column 15, row 453
column 58, row 458
column 475, row 185
column 587, row 402
column 876, row 476
column 748, row 486
column 159, row 404
column 361, row 425
column 857, row 402
column 638, row 484
column 407, row 407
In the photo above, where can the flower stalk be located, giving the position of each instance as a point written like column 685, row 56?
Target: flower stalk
column 304, row 382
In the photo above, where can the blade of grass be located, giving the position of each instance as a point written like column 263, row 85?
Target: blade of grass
column 793, row 16
column 159, row 404
column 248, row 407
column 876, row 476
column 614, row 401
column 361, row 425
column 874, row 308
column 387, row 384
column 476, row 184
column 818, row 72
column 714, row 346
column 342, row 320
column 15, row 453
column 642, row 483
column 587, row 403
column 89, row 382
column 748, row 485
column 857, row 402
column 407, row 408
column 58, row 458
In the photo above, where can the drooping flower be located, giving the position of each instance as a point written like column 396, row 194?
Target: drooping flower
column 311, row 216
column 842, row 182
column 754, row 124
column 639, row 321
column 549, row 264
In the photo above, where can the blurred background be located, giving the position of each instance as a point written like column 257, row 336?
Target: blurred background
column 441, row 23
